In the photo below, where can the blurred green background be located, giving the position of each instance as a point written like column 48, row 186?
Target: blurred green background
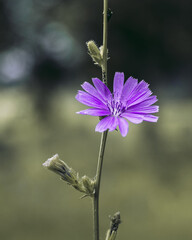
column 147, row 176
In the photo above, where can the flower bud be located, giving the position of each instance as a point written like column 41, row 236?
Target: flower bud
column 112, row 232
column 94, row 52
column 61, row 168
column 84, row 184
column 89, row 185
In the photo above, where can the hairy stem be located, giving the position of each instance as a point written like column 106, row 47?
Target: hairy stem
column 104, row 134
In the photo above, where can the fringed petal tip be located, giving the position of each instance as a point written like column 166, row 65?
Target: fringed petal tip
column 150, row 118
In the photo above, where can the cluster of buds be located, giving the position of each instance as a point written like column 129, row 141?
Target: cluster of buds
column 115, row 221
column 84, row 184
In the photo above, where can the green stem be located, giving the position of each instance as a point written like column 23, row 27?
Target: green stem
column 97, row 185
column 104, row 134
column 104, row 66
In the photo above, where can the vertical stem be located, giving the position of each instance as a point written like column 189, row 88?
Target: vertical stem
column 104, row 134
column 104, row 67
column 97, row 185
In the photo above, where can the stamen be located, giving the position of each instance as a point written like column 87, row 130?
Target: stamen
column 116, row 107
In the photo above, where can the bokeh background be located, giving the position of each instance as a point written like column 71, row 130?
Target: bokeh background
column 147, row 176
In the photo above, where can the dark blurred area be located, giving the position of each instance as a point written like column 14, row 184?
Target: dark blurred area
column 43, row 61
column 44, row 41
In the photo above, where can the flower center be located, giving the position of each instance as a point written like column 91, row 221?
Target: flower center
column 116, row 107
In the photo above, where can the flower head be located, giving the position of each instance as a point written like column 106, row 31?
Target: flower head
column 131, row 101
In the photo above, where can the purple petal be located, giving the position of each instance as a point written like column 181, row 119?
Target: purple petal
column 134, row 118
column 129, row 86
column 92, row 91
column 139, row 97
column 114, row 124
column 139, row 89
column 147, row 102
column 123, row 126
column 104, row 124
column 90, row 100
column 150, row 118
column 118, row 85
column 141, row 86
column 94, row 112
column 101, row 88
column 144, row 110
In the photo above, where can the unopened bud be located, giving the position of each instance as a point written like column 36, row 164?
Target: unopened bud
column 89, row 185
column 84, row 184
column 112, row 232
column 94, row 52
column 61, row 168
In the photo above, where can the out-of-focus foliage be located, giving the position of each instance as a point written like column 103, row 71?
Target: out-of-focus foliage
column 147, row 176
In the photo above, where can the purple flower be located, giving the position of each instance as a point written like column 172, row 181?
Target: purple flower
column 131, row 101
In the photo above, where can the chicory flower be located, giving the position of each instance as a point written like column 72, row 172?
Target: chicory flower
column 131, row 101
